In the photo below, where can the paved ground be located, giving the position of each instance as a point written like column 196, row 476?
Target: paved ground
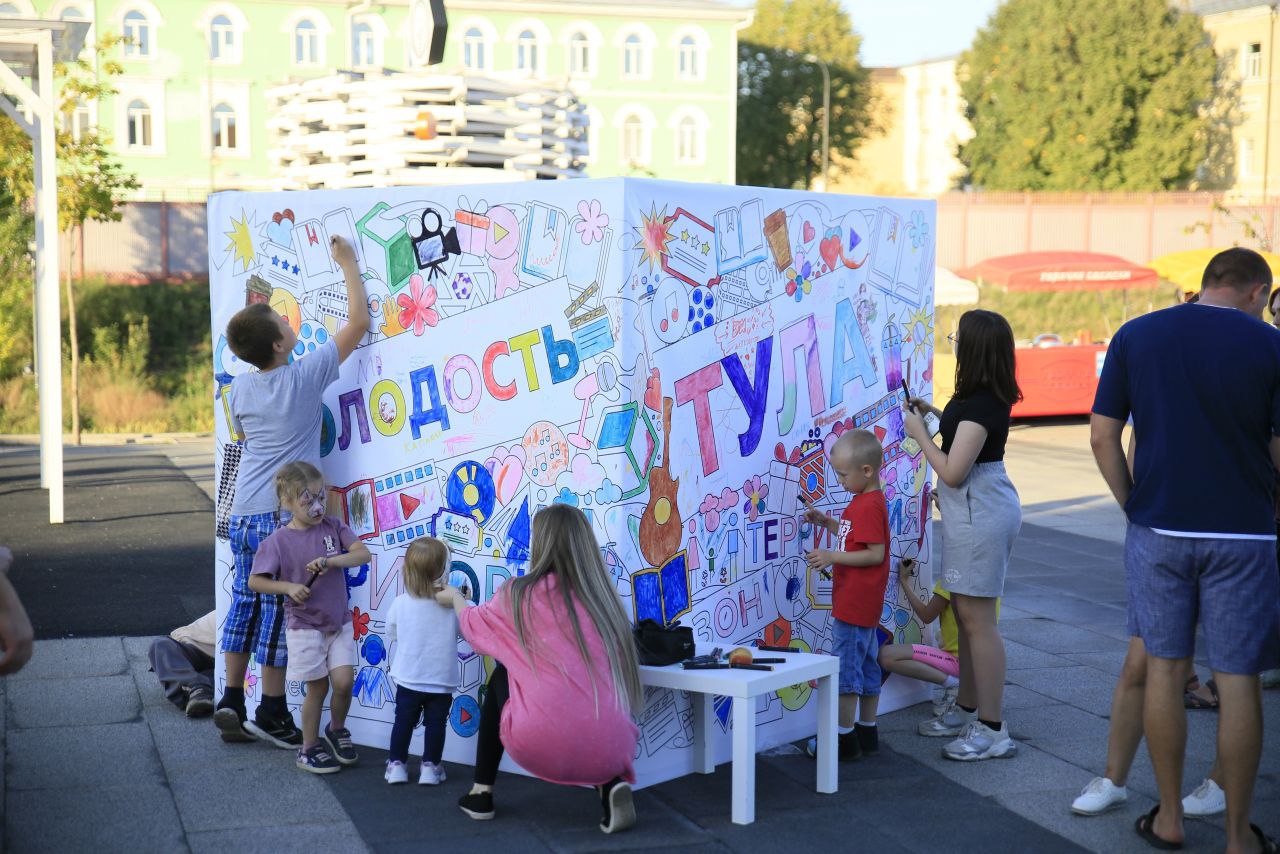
column 95, row 759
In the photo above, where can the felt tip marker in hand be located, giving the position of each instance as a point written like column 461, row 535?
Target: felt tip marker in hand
column 312, row 579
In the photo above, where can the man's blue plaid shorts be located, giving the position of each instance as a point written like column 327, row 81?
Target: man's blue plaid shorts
column 255, row 621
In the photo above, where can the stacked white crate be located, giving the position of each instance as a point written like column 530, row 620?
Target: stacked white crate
column 355, row 130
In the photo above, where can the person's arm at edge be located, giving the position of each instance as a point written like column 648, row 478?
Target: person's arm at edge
column 1106, row 438
column 954, row 466
column 348, row 336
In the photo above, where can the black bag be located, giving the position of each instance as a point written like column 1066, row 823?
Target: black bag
column 659, row 645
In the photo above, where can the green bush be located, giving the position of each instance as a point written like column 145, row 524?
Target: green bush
column 1064, row 313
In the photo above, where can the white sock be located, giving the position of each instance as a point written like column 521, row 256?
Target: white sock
column 865, row 724
column 950, row 682
column 844, row 730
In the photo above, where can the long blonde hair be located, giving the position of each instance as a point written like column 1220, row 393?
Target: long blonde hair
column 563, row 544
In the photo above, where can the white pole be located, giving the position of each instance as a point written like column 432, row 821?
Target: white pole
column 49, row 312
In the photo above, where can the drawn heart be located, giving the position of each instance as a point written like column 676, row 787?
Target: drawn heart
column 830, row 250
column 287, row 213
column 808, row 232
column 653, row 391
column 507, row 469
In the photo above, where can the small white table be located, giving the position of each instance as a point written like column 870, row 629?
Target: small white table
column 744, row 686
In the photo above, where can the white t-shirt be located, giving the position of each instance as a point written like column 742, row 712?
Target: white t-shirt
column 423, row 638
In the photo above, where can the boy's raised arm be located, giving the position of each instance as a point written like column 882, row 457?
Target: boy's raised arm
column 349, row 335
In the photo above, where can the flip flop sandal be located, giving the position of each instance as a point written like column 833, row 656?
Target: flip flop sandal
column 1194, row 701
column 1269, row 845
column 1144, row 826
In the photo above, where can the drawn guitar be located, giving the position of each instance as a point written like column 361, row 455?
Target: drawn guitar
column 660, row 528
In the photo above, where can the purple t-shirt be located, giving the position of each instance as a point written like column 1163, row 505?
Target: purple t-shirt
column 284, row 556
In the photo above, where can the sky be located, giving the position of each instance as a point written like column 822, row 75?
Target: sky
column 898, row 32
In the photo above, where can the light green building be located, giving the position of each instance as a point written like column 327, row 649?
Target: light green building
column 659, row 77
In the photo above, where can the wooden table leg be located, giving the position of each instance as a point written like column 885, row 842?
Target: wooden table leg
column 744, row 760
column 828, row 778
column 703, row 747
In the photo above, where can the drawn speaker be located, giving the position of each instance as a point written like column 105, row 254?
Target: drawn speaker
column 226, row 490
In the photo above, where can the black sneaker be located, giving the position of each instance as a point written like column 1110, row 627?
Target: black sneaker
column 868, row 739
column 478, row 806
column 339, row 741
column 230, row 722
column 619, row 808
column 199, row 702
column 318, row 760
column 282, row 732
column 849, row 748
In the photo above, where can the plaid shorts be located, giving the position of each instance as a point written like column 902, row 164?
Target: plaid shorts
column 255, row 621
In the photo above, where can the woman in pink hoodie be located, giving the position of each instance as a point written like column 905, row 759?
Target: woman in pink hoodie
column 560, row 700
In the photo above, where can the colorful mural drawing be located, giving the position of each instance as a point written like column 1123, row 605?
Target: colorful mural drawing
column 674, row 359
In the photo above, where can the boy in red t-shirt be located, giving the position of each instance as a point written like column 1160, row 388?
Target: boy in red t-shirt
column 861, row 569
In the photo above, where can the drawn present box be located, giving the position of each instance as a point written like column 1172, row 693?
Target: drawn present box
column 784, row 489
column 387, row 240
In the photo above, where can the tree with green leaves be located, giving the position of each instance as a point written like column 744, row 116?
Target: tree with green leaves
column 91, row 183
column 780, row 92
column 1087, row 95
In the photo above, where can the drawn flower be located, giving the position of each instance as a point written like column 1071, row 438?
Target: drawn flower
column 250, row 682
column 799, row 282
column 359, row 623
column 594, row 221
column 416, row 309
column 918, row 230
column 755, row 490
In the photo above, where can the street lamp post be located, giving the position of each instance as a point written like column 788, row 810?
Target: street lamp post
column 826, row 115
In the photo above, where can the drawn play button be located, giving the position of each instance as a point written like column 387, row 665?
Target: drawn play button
column 464, row 717
column 499, row 232
column 408, row 504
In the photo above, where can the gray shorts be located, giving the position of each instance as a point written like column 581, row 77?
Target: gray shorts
column 1230, row 587
column 980, row 521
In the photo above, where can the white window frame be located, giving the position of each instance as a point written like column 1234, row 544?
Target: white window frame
column 233, row 94
column 224, row 41
column 139, row 110
column 581, row 56
column 323, row 29
column 1252, row 62
column 377, row 42
column 595, row 124
column 534, row 63
column 151, row 92
column 636, row 43
column 79, row 121
column 138, row 48
column 21, row 9
column 306, row 44
column 486, row 42
column 224, row 129
column 635, row 119
column 691, row 46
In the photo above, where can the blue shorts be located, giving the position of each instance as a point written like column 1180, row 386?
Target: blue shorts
column 1230, row 587
column 858, row 650
column 255, row 621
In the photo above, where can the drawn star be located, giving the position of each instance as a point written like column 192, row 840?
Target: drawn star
column 653, row 235
column 295, row 269
column 706, row 247
column 240, row 241
column 275, row 261
column 684, row 235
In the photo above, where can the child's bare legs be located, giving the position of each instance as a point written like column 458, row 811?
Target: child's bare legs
column 342, row 679
column 312, row 706
column 967, row 696
column 897, row 658
column 237, row 663
column 866, row 708
column 848, row 710
column 272, row 677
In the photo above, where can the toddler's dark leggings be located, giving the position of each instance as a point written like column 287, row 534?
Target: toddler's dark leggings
column 413, row 706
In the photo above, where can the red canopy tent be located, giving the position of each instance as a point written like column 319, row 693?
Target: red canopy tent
column 1062, row 271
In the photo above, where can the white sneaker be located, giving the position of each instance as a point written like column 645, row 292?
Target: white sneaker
column 946, row 701
column 1207, row 799
column 1099, row 796
column 396, row 773
column 949, row 724
column 979, row 741
column 431, row 774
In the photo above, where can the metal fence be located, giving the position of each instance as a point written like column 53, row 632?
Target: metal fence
column 168, row 239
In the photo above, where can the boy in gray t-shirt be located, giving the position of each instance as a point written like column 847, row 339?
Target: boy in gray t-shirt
column 278, row 411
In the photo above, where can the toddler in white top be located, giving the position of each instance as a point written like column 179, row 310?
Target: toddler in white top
column 423, row 639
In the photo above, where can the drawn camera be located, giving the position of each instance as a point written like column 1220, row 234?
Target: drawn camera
column 432, row 244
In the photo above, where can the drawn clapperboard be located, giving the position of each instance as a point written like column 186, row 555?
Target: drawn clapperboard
column 590, row 323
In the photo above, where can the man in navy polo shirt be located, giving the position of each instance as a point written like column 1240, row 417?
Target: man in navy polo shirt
column 1202, row 384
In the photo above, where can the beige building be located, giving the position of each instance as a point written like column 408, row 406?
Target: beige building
column 921, row 115
column 1244, row 34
